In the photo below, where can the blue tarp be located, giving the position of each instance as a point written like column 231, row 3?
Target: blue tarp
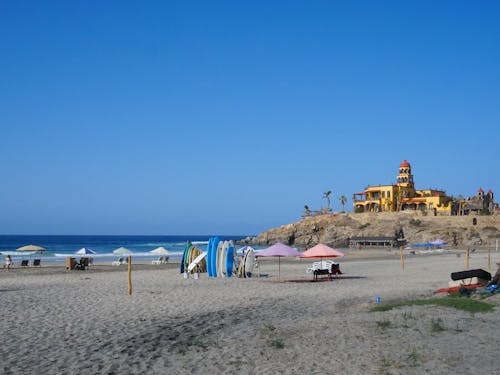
column 438, row 242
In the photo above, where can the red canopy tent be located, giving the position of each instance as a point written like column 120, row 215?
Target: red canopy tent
column 321, row 251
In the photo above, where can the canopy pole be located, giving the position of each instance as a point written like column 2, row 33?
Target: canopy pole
column 129, row 275
column 489, row 259
column 279, row 268
column 467, row 254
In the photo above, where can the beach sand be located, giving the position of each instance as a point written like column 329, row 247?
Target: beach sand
column 66, row 322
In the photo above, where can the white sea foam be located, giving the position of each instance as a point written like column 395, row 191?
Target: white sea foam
column 200, row 242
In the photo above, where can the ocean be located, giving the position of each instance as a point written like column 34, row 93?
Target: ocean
column 102, row 245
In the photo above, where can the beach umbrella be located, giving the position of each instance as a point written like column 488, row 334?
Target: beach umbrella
column 244, row 249
column 85, row 251
column 278, row 250
column 321, row 251
column 122, row 251
column 160, row 251
column 30, row 248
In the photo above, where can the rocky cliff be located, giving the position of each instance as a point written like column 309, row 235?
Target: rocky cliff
column 336, row 229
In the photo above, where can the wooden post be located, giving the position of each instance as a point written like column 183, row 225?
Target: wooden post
column 129, row 275
column 402, row 258
column 467, row 253
column 489, row 259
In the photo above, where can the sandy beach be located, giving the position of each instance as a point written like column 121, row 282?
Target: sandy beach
column 66, row 322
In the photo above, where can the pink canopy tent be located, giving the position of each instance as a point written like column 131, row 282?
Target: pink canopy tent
column 278, row 250
column 321, row 251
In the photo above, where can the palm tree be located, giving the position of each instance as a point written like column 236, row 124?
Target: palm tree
column 326, row 195
column 307, row 210
column 343, row 200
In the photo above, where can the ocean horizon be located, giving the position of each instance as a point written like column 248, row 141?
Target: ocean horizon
column 104, row 244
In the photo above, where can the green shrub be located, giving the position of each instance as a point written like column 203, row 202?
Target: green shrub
column 460, row 303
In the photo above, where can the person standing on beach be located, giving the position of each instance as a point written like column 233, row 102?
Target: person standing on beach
column 496, row 278
column 8, row 262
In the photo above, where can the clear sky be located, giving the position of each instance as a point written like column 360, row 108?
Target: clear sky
column 121, row 117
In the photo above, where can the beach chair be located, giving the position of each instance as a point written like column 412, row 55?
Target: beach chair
column 323, row 268
column 118, row 262
column 36, row 263
column 321, row 265
column 24, row 263
column 84, row 263
column 335, row 270
column 158, row 261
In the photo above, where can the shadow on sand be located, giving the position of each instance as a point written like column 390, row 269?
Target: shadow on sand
column 323, row 279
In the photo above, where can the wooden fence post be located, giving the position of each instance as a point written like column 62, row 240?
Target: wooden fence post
column 129, row 275
column 489, row 259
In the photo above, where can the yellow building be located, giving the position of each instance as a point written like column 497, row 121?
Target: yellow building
column 402, row 196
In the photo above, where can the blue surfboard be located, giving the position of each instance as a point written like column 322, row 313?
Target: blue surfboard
column 229, row 260
column 213, row 258
column 209, row 252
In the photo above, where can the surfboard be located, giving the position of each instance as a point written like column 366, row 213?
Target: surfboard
column 221, row 260
column 249, row 263
column 182, row 267
column 193, row 253
column 229, row 259
column 216, row 244
column 196, row 261
column 209, row 252
column 241, row 269
column 186, row 255
column 236, row 262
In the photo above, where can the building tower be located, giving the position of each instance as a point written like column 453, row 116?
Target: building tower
column 405, row 181
column 491, row 202
column 480, row 193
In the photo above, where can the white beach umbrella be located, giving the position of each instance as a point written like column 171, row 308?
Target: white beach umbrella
column 160, row 251
column 31, row 248
column 122, row 251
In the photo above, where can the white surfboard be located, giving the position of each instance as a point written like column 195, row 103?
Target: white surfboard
column 249, row 263
column 217, row 258
column 221, row 272
column 241, row 267
column 196, row 261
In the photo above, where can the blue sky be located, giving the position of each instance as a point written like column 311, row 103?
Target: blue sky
column 121, row 117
